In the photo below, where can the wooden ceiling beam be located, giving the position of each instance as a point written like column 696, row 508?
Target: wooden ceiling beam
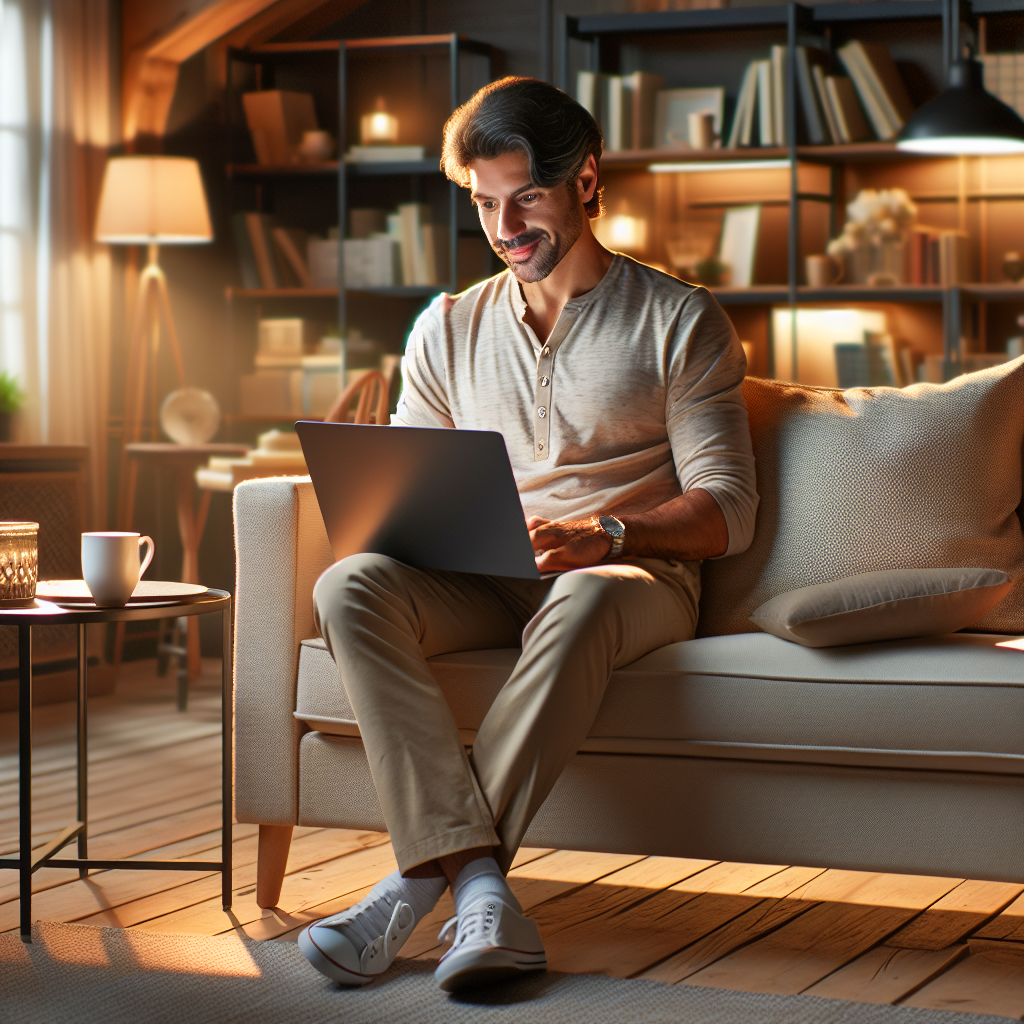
column 151, row 69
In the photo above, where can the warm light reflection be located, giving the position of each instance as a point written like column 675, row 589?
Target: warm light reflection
column 627, row 234
column 1017, row 645
column 963, row 145
column 378, row 127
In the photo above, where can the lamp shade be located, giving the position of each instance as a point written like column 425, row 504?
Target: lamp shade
column 152, row 200
column 964, row 119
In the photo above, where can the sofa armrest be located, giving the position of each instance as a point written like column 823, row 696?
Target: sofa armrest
column 281, row 548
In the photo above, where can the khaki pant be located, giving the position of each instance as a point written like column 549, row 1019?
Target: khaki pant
column 381, row 620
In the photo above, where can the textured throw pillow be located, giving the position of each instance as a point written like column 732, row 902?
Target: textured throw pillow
column 874, row 606
column 878, row 478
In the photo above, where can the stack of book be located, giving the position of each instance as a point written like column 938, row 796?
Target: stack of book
column 270, row 256
column 277, row 454
column 384, row 154
column 939, row 256
column 622, row 105
column 871, row 103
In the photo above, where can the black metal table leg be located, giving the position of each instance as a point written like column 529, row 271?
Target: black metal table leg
column 83, row 746
column 25, row 777
column 227, row 789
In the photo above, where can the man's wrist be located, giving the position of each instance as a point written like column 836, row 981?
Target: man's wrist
column 616, row 532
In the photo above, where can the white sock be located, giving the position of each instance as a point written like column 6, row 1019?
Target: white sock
column 479, row 879
column 421, row 894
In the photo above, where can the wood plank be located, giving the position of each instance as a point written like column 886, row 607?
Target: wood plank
column 988, row 981
column 772, row 910
column 887, row 974
column 306, row 896
column 615, row 892
column 956, row 915
column 1008, row 925
column 863, row 909
column 626, row 938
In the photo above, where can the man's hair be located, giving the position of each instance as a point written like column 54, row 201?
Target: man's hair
column 524, row 115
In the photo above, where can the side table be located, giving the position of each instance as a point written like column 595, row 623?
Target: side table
column 29, row 860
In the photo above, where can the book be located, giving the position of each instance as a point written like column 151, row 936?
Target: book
column 852, row 369
column 814, row 122
column 436, row 248
column 743, row 118
column 765, row 104
column 954, row 262
column 818, row 76
column 883, row 362
column 277, row 120
column 291, row 244
column 371, row 262
column 643, row 88
column 618, row 127
column 246, row 258
column 414, row 255
column 258, row 225
column 384, row 154
column 855, row 64
column 849, row 117
column 882, row 79
column 286, row 336
column 591, row 92
column 322, row 255
column 778, row 104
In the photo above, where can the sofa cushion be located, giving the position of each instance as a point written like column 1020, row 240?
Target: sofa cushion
column 890, row 605
column 953, row 701
column 878, row 478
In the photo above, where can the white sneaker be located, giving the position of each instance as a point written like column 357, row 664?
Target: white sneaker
column 492, row 942
column 360, row 943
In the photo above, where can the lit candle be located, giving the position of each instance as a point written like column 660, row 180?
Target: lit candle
column 378, row 126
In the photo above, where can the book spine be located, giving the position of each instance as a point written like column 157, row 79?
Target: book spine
column 851, row 57
column 765, row 107
column 261, row 249
column 818, row 74
column 808, row 100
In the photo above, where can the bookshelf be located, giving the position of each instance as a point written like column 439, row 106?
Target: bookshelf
column 803, row 189
column 423, row 78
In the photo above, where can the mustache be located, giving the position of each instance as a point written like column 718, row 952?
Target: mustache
column 526, row 238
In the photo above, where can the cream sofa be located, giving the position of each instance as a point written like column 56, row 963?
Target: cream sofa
column 904, row 756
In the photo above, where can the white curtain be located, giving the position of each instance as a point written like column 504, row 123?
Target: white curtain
column 56, row 127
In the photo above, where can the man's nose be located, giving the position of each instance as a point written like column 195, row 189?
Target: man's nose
column 510, row 222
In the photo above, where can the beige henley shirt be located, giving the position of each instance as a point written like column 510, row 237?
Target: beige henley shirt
column 632, row 400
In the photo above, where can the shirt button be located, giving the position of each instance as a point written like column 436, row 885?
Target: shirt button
column 546, row 351
column 542, row 412
column 540, row 446
column 544, row 382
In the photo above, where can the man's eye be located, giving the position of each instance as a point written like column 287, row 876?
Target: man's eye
column 529, row 197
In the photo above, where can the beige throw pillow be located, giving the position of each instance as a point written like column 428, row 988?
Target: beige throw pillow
column 878, row 478
column 874, row 606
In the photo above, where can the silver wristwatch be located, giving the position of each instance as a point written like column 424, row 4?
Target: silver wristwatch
column 616, row 530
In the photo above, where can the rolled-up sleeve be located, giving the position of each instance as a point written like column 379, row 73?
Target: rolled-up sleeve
column 706, row 415
column 424, row 400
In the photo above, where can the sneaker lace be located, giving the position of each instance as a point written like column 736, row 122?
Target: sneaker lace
column 473, row 923
column 367, row 923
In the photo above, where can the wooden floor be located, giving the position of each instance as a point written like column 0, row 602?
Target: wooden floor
column 944, row 943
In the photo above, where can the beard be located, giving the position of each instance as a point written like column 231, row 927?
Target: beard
column 551, row 248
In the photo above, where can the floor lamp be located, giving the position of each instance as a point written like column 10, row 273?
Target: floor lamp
column 151, row 201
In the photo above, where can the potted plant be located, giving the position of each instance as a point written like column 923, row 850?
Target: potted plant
column 11, row 400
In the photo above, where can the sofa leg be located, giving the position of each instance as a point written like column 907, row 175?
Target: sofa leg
column 271, row 861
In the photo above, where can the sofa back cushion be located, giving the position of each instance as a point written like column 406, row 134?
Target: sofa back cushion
column 878, row 478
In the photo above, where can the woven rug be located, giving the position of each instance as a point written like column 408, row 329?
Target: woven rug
column 80, row 975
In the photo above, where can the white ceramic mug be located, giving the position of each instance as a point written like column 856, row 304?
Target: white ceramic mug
column 111, row 567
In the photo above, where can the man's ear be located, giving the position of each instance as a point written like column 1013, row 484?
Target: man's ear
column 586, row 180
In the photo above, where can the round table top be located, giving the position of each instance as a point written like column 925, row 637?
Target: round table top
column 47, row 613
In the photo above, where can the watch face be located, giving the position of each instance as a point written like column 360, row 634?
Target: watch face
column 611, row 526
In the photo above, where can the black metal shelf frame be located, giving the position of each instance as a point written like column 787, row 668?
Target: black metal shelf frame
column 800, row 21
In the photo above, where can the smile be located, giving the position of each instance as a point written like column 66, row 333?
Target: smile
column 523, row 253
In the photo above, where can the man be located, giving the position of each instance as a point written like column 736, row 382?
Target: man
column 617, row 390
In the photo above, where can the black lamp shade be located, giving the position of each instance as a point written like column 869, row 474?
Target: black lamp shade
column 964, row 119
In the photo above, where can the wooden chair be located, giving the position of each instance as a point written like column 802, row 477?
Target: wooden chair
column 365, row 400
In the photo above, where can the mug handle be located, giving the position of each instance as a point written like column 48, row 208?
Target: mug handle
column 149, row 553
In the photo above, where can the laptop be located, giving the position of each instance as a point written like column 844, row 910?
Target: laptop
column 431, row 498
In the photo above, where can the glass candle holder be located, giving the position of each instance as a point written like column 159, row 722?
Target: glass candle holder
column 19, row 563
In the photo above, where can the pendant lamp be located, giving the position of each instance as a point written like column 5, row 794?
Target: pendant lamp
column 964, row 119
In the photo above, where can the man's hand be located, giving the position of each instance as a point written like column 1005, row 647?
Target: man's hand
column 561, row 545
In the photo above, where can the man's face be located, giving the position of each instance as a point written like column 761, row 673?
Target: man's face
column 530, row 228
